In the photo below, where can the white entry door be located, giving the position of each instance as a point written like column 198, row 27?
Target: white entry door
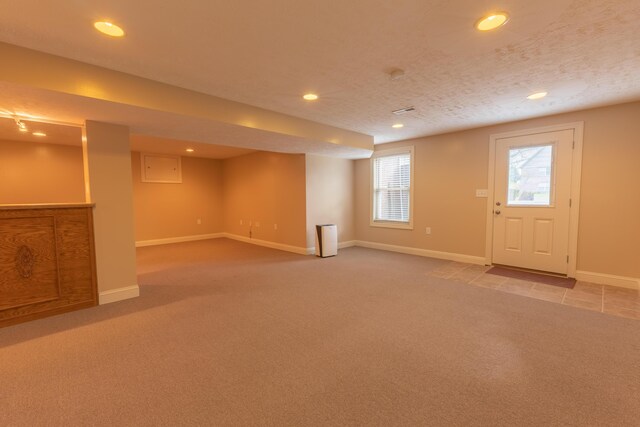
column 531, row 201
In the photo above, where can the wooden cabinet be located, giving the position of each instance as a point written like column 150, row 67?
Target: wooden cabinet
column 47, row 261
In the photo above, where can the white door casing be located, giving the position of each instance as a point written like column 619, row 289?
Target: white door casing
column 539, row 232
column 529, row 231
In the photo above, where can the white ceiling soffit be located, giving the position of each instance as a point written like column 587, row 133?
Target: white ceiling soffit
column 152, row 144
column 53, row 133
column 45, row 105
column 266, row 54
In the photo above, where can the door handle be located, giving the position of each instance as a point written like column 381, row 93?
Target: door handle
column 497, row 212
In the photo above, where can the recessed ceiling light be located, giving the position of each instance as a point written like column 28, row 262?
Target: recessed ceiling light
column 189, row 150
column 492, row 21
column 537, row 95
column 39, row 134
column 109, row 28
column 397, row 126
column 310, row 96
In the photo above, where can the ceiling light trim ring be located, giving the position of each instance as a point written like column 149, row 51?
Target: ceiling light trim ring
column 109, row 28
column 537, row 95
column 486, row 22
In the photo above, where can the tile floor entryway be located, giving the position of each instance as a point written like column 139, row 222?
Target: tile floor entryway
column 590, row 296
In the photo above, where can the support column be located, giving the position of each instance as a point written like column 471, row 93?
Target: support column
column 107, row 162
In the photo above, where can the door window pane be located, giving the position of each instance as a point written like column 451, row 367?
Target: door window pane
column 530, row 172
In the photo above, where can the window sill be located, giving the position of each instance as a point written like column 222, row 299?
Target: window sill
column 391, row 224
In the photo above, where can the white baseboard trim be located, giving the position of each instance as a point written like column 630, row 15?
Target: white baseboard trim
column 608, row 279
column 267, row 244
column 114, row 295
column 347, row 244
column 450, row 256
column 341, row 245
column 169, row 240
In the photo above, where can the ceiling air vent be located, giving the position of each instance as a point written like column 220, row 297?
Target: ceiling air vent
column 403, row 110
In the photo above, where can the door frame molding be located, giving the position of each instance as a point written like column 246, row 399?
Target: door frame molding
column 576, row 171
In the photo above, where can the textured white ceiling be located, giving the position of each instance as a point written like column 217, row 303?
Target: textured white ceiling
column 267, row 53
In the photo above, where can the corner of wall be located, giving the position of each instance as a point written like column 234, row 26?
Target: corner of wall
column 120, row 294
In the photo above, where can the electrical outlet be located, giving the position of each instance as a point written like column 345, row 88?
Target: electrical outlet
column 257, row 223
column 427, row 230
column 240, row 222
column 275, row 226
column 250, row 222
column 199, row 221
column 482, row 193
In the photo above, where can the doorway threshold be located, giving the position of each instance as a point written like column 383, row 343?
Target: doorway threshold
column 533, row 276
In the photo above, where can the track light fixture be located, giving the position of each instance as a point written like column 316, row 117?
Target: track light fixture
column 22, row 127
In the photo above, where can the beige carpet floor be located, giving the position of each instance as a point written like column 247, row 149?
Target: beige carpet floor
column 230, row 334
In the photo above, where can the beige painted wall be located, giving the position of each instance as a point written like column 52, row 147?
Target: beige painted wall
column 172, row 210
column 330, row 196
column 268, row 188
column 108, row 164
column 33, row 172
column 450, row 167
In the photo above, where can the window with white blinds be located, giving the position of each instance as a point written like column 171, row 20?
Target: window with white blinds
column 391, row 187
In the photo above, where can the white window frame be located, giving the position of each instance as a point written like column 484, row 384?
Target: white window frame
column 385, row 153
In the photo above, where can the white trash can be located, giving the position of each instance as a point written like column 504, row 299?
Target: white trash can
column 326, row 240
